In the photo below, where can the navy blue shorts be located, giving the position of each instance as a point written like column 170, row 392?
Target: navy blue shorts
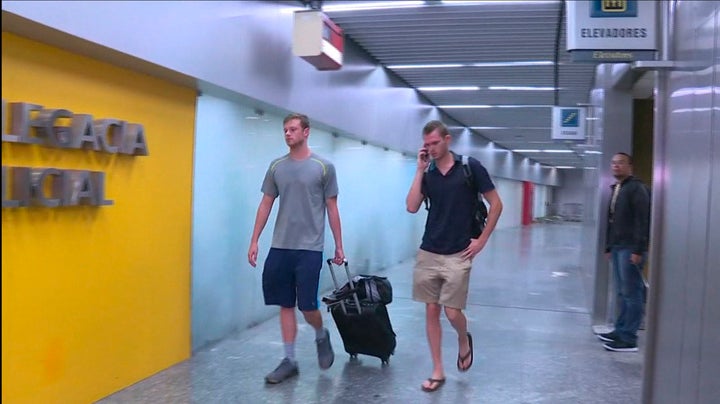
column 292, row 276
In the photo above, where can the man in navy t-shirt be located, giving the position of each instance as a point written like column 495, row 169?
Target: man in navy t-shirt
column 444, row 261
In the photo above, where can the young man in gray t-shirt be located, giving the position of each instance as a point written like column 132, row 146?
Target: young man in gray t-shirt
column 307, row 187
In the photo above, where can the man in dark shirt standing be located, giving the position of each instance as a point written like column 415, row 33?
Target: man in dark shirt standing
column 628, row 229
column 444, row 261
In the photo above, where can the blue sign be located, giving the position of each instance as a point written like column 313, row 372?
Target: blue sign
column 569, row 118
column 613, row 8
column 568, row 123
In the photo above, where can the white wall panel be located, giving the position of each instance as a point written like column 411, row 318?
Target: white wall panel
column 234, row 147
column 541, row 199
column 511, row 194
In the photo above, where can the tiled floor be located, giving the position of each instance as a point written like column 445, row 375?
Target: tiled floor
column 531, row 330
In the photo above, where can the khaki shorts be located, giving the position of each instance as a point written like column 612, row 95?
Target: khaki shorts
column 441, row 279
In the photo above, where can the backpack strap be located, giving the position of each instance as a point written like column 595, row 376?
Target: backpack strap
column 469, row 180
column 480, row 204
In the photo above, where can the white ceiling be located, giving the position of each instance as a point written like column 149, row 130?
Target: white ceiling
column 485, row 32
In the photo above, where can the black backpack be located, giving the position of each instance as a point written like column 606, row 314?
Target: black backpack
column 369, row 288
column 480, row 217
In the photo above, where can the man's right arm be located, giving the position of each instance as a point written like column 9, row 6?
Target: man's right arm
column 415, row 196
column 261, row 219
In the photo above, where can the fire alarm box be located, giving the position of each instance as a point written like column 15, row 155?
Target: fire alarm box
column 318, row 40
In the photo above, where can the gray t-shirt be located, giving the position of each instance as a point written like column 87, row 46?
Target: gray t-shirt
column 302, row 187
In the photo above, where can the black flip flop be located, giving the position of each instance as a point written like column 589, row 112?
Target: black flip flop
column 462, row 359
column 437, row 383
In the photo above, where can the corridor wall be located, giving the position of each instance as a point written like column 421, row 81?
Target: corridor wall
column 96, row 298
column 234, row 147
column 511, row 195
column 541, row 199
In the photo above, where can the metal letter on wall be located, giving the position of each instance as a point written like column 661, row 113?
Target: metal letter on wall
column 110, row 133
column 39, row 176
column 21, row 122
column 135, row 143
column 61, row 128
column 57, row 136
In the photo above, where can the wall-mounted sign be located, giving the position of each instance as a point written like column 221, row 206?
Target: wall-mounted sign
column 52, row 187
column 60, row 128
column 63, row 129
column 568, row 123
column 604, row 31
column 318, row 40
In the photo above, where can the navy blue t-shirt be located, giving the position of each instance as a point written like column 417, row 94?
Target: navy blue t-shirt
column 452, row 205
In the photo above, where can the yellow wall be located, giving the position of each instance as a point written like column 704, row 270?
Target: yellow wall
column 96, row 298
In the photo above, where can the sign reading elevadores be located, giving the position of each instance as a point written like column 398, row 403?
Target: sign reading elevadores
column 605, row 31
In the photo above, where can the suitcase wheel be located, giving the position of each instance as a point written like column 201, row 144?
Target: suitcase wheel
column 353, row 356
column 385, row 361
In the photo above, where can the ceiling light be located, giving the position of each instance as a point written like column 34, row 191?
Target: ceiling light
column 494, row 106
column 542, row 151
column 466, row 106
column 493, row 88
column 371, row 5
column 450, row 88
column 511, row 127
column 482, row 64
column 481, row 2
column 385, row 5
column 565, row 167
column 522, row 88
column 427, row 66
column 518, row 63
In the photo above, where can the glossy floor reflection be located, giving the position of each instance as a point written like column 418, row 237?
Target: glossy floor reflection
column 531, row 330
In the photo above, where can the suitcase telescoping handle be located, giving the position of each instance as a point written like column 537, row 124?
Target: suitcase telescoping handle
column 350, row 281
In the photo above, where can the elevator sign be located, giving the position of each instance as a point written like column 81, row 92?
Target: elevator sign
column 568, row 123
column 605, row 31
column 617, row 8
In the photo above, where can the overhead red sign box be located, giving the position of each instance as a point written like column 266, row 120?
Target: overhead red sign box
column 318, row 40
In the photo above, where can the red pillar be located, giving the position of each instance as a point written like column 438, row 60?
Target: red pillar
column 527, row 202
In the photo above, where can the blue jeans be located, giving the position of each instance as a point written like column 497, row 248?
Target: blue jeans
column 631, row 293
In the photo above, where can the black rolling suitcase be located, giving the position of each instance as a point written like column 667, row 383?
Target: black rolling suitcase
column 364, row 325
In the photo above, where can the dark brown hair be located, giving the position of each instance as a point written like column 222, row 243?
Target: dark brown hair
column 304, row 121
column 433, row 125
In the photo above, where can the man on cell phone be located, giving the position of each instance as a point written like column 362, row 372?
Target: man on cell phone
column 444, row 260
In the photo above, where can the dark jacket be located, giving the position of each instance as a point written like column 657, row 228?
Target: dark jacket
column 629, row 225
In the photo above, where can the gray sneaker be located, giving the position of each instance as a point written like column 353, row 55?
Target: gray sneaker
column 326, row 356
column 621, row 346
column 285, row 370
column 608, row 336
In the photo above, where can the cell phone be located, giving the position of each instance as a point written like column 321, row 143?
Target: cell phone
column 424, row 155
